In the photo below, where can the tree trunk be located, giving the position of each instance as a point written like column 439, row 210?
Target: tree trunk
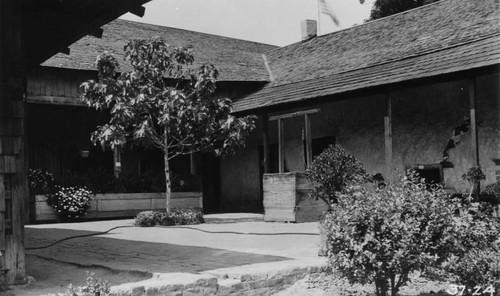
column 168, row 193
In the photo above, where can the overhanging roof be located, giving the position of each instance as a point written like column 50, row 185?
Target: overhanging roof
column 444, row 37
column 481, row 53
column 50, row 26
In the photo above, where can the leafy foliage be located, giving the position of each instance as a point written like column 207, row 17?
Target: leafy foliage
column 383, row 236
column 333, row 170
column 93, row 287
column 40, row 181
column 476, row 249
column 163, row 103
column 473, row 175
column 176, row 217
column 70, row 203
column 383, row 8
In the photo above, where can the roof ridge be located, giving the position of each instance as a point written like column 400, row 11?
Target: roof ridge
column 426, row 6
column 192, row 31
column 392, row 61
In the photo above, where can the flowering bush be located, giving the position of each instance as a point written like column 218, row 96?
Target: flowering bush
column 175, row 217
column 40, row 181
column 70, row 203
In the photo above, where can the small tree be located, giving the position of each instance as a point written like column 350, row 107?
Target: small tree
column 164, row 104
column 474, row 175
column 332, row 171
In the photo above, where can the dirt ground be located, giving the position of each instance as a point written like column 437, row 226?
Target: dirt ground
column 52, row 276
column 332, row 285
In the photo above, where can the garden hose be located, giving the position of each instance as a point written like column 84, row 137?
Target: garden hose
column 178, row 227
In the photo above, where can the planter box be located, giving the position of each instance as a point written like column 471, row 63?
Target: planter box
column 122, row 205
column 286, row 198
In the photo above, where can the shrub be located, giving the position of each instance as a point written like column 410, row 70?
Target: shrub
column 384, row 235
column 40, row 181
column 175, row 217
column 93, row 287
column 70, row 203
column 332, row 171
column 476, row 247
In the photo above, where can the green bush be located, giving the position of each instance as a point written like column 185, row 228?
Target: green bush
column 384, row 235
column 476, row 247
column 175, row 217
column 332, row 171
column 93, row 287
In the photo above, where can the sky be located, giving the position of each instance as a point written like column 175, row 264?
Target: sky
column 274, row 22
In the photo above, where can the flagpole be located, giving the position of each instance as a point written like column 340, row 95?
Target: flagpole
column 319, row 17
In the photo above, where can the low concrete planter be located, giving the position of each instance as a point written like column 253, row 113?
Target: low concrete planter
column 286, row 198
column 122, row 205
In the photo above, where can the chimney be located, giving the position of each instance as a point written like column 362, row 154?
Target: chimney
column 309, row 29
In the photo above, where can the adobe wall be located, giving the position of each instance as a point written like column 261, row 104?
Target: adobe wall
column 423, row 121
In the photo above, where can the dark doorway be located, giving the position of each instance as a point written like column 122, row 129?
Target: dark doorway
column 211, row 183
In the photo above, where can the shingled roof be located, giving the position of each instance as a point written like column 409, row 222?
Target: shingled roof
column 444, row 37
column 237, row 60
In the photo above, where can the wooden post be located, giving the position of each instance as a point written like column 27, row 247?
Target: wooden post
column 192, row 165
column 117, row 162
column 281, row 146
column 308, row 136
column 473, row 120
column 388, row 138
column 265, row 142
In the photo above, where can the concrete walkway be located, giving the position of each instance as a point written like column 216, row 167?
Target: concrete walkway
column 212, row 259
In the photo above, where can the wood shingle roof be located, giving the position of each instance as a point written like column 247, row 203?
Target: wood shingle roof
column 444, row 37
column 237, row 60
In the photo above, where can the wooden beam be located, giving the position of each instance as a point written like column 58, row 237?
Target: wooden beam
column 388, row 137
column 293, row 114
column 473, row 120
column 56, row 100
column 265, row 142
column 281, row 147
column 137, row 10
column 308, row 136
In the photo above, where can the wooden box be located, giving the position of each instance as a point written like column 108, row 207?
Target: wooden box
column 286, row 198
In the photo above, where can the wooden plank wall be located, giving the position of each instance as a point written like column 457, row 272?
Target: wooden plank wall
column 47, row 85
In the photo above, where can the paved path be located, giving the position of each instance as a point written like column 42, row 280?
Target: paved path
column 167, row 249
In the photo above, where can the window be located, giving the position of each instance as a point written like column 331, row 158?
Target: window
column 432, row 173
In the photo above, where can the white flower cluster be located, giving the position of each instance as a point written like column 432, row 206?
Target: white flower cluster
column 72, row 202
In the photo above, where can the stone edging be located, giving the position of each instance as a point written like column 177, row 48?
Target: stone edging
column 256, row 280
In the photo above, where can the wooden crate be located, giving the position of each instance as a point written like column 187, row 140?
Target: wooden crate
column 286, row 198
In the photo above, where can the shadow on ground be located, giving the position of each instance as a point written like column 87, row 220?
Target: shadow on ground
column 127, row 255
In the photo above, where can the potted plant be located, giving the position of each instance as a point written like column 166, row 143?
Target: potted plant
column 474, row 175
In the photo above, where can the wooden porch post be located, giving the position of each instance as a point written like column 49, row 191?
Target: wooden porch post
column 308, row 136
column 192, row 165
column 265, row 141
column 13, row 168
column 388, row 137
column 117, row 162
column 473, row 120
column 281, row 146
